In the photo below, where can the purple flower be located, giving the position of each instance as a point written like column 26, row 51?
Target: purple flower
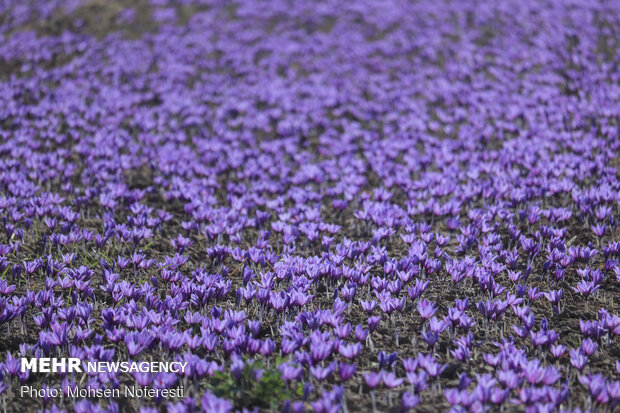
column 391, row 381
column 613, row 390
column 360, row 333
column 558, row 350
column 417, row 289
column 373, row 322
column 577, row 359
column 346, row 371
column 426, row 309
column 386, row 360
column 418, row 381
column 586, row 288
column 509, row 379
column 321, row 373
column 430, row 338
column 461, row 353
column 597, row 386
column 409, row 401
column 350, row 351
column 290, row 372
column 588, row 347
column 211, row 403
column 373, row 379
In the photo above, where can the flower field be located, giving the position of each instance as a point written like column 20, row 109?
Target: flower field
column 328, row 206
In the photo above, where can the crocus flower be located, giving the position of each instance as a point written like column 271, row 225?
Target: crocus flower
column 211, row 403
column 391, row 381
column 577, row 359
column 426, row 309
column 409, row 401
column 373, row 379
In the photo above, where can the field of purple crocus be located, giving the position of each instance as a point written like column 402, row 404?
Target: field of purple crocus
column 330, row 206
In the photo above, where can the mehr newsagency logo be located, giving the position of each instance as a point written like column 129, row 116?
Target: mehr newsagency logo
column 76, row 365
